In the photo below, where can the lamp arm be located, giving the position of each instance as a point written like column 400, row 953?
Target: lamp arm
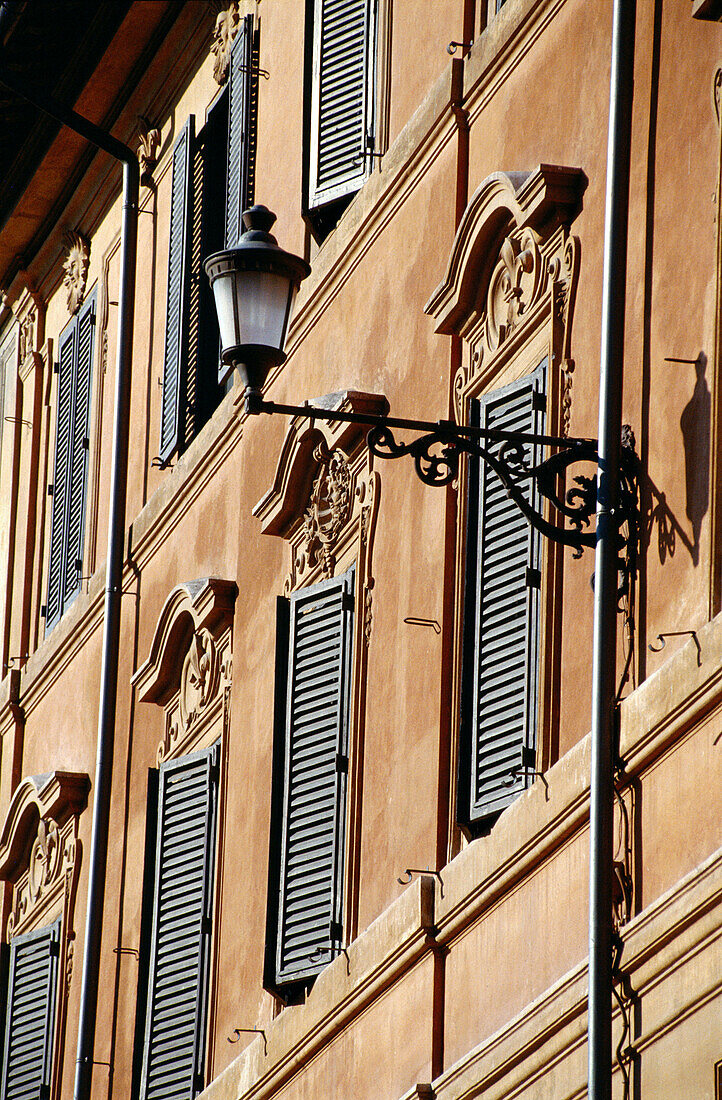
column 436, row 459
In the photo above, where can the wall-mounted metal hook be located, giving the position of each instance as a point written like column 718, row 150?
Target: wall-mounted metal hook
column 409, row 873
column 315, row 956
column 238, row 1031
column 22, row 658
column 19, row 420
column 454, row 46
column 662, row 639
column 159, row 464
column 127, row 951
column 424, row 622
column 513, row 775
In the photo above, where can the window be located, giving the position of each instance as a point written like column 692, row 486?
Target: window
column 212, row 184
column 306, row 869
column 180, row 934
column 70, row 477
column 341, row 95
column 490, row 8
column 30, row 1014
column 501, row 630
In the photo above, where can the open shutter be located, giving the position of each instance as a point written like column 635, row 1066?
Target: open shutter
column 30, row 1018
column 316, row 765
column 504, row 608
column 79, row 443
column 61, row 489
column 176, row 330
column 174, row 1047
column 342, row 97
column 240, row 134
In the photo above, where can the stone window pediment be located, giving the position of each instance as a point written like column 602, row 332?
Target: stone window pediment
column 188, row 671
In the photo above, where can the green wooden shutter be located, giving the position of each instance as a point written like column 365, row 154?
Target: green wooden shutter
column 63, row 448
column 502, row 618
column 78, row 457
column 342, row 97
column 174, row 1047
column 176, row 330
column 309, row 926
column 241, row 80
column 30, row 1015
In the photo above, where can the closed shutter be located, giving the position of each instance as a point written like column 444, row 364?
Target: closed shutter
column 503, row 612
column 79, row 444
column 241, row 80
column 342, row 97
column 315, row 771
column 63, row 447
column 70, row 475
column 174, row 1047
column 176, row 330
column 30, row 1018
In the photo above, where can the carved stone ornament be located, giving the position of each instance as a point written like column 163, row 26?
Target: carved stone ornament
column 75, row 266
column 190, row 663
column 513, row 266
column 328, row 509
column 323, row 487
column 40, row 850
column 224, row 32
column 148, row 146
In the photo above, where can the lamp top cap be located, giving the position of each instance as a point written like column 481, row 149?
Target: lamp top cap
column 258, row 218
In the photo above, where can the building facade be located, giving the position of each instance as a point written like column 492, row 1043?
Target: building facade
column 348, row 819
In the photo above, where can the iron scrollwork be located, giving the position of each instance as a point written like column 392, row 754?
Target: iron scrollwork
column 436, row 457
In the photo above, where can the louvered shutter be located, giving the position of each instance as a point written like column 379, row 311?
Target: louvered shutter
column 176, row 330
column 316, row 762
column 174, row 1047
column 240, row 136
column 63, row 447
column 79, row 443
column 342, row 97
column 30, row 1015
column 504, row 612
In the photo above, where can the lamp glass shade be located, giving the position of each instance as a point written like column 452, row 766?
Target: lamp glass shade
column 253, row 307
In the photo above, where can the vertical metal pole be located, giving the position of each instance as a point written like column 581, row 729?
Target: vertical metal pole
column 605, row 574
column 114, row 563
column 111, row 640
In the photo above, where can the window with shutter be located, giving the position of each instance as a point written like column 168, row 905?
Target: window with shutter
column 342, row 104
column 305, row 911
column 30, row 1015
column 500, row 697
column 242, row 95
column 70, row 476
column 180, row 941
column 176, row 328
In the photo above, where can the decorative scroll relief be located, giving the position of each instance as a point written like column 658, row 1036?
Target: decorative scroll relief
column 190, row 666
column 40, row 854
column 224, row 32
column 29, row 312
column 329, row 509
column 148, row 146
column 515, row 227
column 325, row 497
column 75, row 266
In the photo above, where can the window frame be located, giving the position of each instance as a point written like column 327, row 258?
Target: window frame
column 283, row 980
column 74, row 492
column 155, row 839
column 475, row 811
column 51, row 932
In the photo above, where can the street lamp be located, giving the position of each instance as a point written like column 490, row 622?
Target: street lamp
column 254, row 286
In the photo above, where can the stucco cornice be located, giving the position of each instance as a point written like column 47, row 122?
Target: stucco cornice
column 54, row 795
column 541, row 200
column 208, row 604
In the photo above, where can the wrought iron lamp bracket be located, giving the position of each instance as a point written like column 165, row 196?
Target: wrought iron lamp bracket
column 437, row 451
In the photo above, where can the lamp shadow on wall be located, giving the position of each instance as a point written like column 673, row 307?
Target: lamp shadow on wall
column 695, row 427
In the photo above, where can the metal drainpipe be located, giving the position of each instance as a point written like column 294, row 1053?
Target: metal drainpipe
column 605, row 573
column 114, row 571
